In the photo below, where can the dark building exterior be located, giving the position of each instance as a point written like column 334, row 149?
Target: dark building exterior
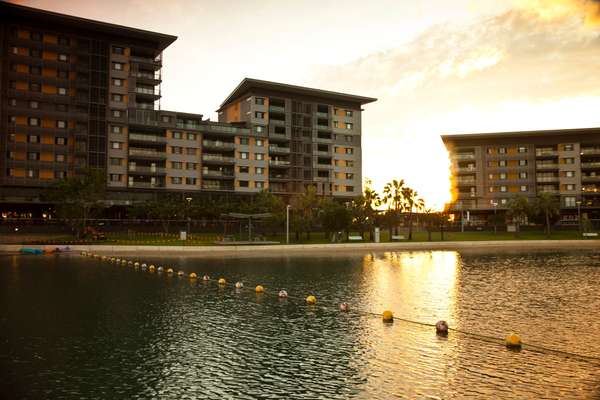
column 491, row 168
column 78, row 94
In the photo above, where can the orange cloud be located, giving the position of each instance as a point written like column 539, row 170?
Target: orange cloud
column 550, row 10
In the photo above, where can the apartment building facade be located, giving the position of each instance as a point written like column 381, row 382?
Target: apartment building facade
column 490, row 169
column 79, row 94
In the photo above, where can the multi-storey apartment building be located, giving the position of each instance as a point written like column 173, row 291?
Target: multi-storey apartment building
column 309, row 136
column 489, row 169
column 78, row 94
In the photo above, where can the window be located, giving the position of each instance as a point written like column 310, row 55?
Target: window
column 522, row 149
column 523, row 188
column 12, row 102
column 61, row 107
column 523, row 175
column 166, row 119
column 522, row 163
column 349, row 113
column 259, row 100
column 62, row 91
column 60, row 174
column 568, row 147
column 191, row 151
column 502, row 163
column 116, row 145
column 190, row 181
column 503, row 176
column 35, row 87
column 244, row 155
column 32, row 173
column 348, row 138
column 259, row 114
column 491, row 189
column 115, row 161
column 244, row 141
column 176, row 180
column 260, row 129
column 115, row 129
column 176, row 150
column 259, row 170
column 61, row 141
column 349, row 125
column 63, row 57
column 177, row 135
column 115, row 177
column 12, row 137
column 503, row 201
column 349, row 176
column 349, row 188
column 34, row 104
column 35, row 53
column 570, row 186
column 117, row 97
column 33, row 121
column 503, row 188
column 569, row 174
column 191, row 136
column 33, row 156
column 11, row 155
column 117, row 66
column 244, row 184
column 260, row 143
column 349, row 163
column 61, row 124
column 570, row 201
column 244, row 170
column 176, row 165
column 335, row 124
column 118, row 50
column 349, row 150
column 60, row 158
column 260, row 156
column 502, row 150
column 259, row 185
column 63, row 41
column 569, row 160
column 116, row 113
column 117, row 82
column 36, row 36
column 35, row 70
column 490, row 150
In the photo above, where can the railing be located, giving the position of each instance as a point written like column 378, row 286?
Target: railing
column 590, row 150
column 278, row 149
column 276, row 109
column 323, row 153
column 465, row 181
column 590, row 178
column 155, row 76
column 147, row 138
column 276, row 122
column 183, row 125
column 319, row 126
column 463, row 156
column 146, row 185
column 539, row 153
column 217, row 157
column 278, row 176
column 209, row 186
column 322, row 115
column 590, row 164
column 465, row 169
column 145, row 106
column 146, row 60
column 547, row 179
column 218, row 144
column 143, row 169
column 150, row 91
column 221, row 129
column 147, row 153
column 590, row 188
column 209, row 173
column 282, row 163
column 546, row 165
column 547, row 190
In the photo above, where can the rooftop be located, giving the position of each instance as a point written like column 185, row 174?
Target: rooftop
column 9, row 11
column 538, row 133
column 248, row 84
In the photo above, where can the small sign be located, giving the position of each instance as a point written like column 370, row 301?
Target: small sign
column 182, row 235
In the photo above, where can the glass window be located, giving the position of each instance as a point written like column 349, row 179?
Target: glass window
column 117, row 82
column 244, row 170
column 570, row 186
column 243, row 155
column 176, row 180
column 116, row 129
column 259, row 185
column 117, row 66
column 63, row 57
column 349, row 150
column 349, row 125
column 570, row 201
column 33, row 70
column 60, row 174
column 62, row 91
column 115, row 161
column 34, row 121
column 259, row 143
column 260, row 129
column 191, row 151
column 244, row 141
column 503, row 188
column 190, row 181
column 259, row 100
column 243, row 183
column 568, row 147
column 118, row 50
column 522, row 149
column 569, row 160
column 349, row 113
column 34, row 104
column 60, row 158
column 260, row 156
column 523, row 175
column 569, row 174
column 259, row 114
column 522, row 162
column 61, row 124
column 115, row 145
column 260, row 170
column 349, row 188
column 61, row 141
column 115, row 177
column 116, row 113
column 191, row 136
column 502, row 175
column 177, row 135
column 502, row 150
column 523, row 188
column 502, row 163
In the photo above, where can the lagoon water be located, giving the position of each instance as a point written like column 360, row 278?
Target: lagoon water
column 75, row 327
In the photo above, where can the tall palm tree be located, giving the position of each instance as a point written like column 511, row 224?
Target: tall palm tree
column 371, row 200
column 547, row 205
column 412, row 202
column 392, row 197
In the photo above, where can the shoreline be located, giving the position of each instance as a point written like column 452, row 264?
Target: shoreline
column 316, row 248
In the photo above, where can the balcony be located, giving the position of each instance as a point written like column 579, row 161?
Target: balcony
column 152, row 93
column 590, row 151
column 278, row 177
column 546, row 165
column 146, row 185
column 542, row 179
column 218, row 128
column 139, row 137
column 547, row 190
column 463, row 156
column 595, row 164
column 322, row 115
column 590, row 189
column 276, row 122
column 545, row 153
column 590, row 178
column 217, row 174
column 278, row 149
column 461, row 182
column 461, row 170
column 215, row 186
column 189, row 125
column 276, row 109
column 155, row 63
column 217, row 158
column 147, row 153
column 217, row 144
column 152, row 78
column 279, row 163
column 143, row 170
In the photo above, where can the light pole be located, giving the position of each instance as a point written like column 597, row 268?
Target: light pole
column 578, row 215
column 495, row 204
column 287, row 224
column 189, row 203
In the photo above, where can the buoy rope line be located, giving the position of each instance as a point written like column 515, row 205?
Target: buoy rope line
column 238, row 286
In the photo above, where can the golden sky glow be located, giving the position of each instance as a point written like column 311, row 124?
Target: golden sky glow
column 435, row 66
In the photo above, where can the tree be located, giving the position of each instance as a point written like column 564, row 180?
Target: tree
column 411, row 203
column 306, row 204
column 392, row 197
column 518, row 210
column 547, row 206
column 370, row 200
column 76, row 198
column 335, row 216
column 429, row 220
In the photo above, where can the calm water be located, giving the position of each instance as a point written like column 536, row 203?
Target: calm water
column 74, row 327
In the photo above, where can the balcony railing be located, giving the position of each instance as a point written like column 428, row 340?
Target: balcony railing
column 546, row 165
column 547, row 179
column 219, row 128
column 590, row 189
column 146, row 185
column 465, row 169
column 150, row 91
column 186, row 125
column 276, row 109
column 540, row 153
column 147, row 153
column 224, row 174
column 594, row 164
column 465, row 181
column 590, row 178
column 211, row 186
column 590, row 150
column 278, row 149
column 217, row 158
column 218, row 144
column 322, row 115
column 548, row 190
column 146, row 170
column 464, row 156
column 279, row 163
column 147, row 138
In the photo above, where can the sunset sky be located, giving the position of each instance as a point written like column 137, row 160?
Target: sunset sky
column 436, row 66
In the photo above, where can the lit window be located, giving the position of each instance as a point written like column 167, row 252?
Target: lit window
column 335, row 124
column 177, row 135
column 117, row 97
column 118, row 82
column 191, row 136
column 568, row 147
column 244, row 141
column 116, row 129
column 349, row 113
column 60, row 158
column 259, row 143
column 523, row 175
column 570, row 186
column 260, row 129
column 259, row 114
column 191, row 151
column 116, row 145
column 176, row 180
column 569, row 174
column 523, row 188
column 34, row 104
column 117, row 66
column 34, row 122
column 61, row 141
column 116, row 113
column 349, row 150
column 62, row 91
column 522, row 149
column 244, row 155
column 259, row 185
column 502, row 150
column 63, row 57
column 503, row 188
column 61, row 124
column 522, row 163
column 260, row 156
column 115, row 177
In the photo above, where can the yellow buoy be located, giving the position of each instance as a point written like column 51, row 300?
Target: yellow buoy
column 180, row 273
column 103, row 258
column 311, row 299
column 151, row 268
column 222, row 281
column 193, row 275
column 129, row 262
column 239, row 285
column 170, row 271
column 388, row 316
column 160, row 269
column 513, row 341
column 259, row 289
column 136, row 264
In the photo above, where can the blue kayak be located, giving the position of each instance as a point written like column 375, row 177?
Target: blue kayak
column 29, row 250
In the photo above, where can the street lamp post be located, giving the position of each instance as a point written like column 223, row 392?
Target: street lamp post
column 578, row 215
column 189, row 202
column 495, row 204
column 287, row 224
